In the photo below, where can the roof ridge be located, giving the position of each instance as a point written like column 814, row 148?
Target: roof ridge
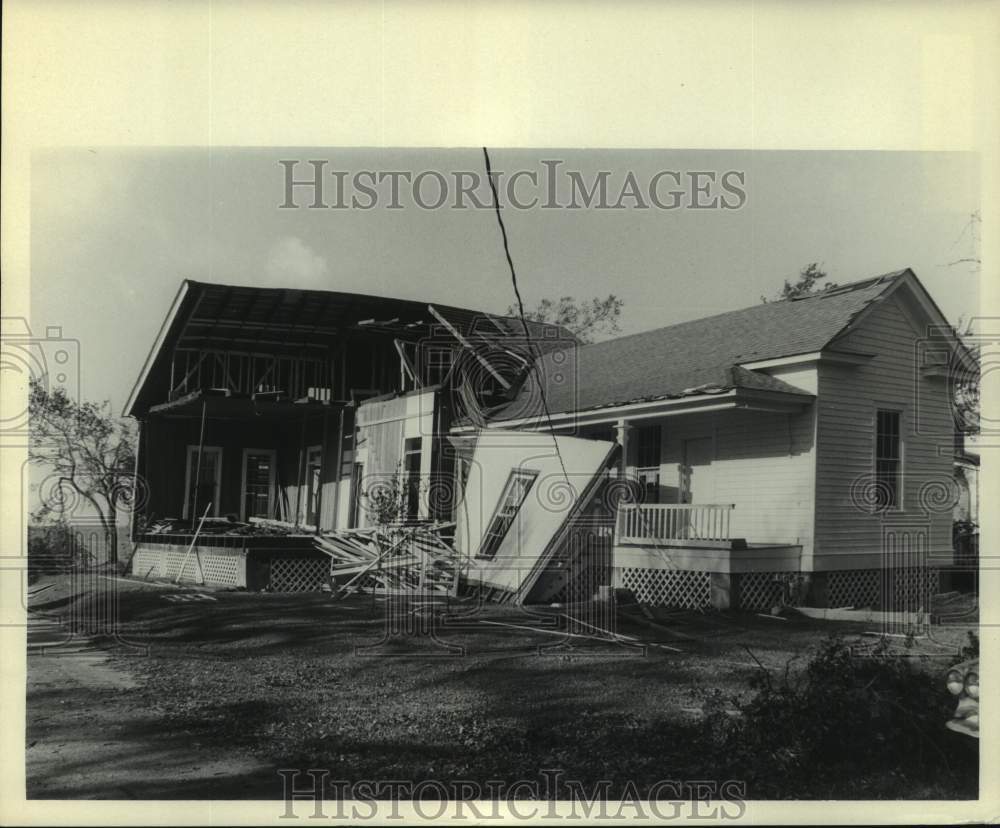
column 845, row 288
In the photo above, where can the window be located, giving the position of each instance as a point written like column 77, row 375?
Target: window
column 357, row 479
column 411, row 476
column 518, row 485
column 202, row 481
column 888, row 458
column 314, row 484
column 439, row 361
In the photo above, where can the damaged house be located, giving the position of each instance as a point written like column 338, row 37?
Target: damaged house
column 270, row 416
column 795, row 451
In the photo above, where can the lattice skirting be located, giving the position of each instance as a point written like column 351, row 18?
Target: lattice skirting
column 165, row 562
column 299, row 573
column 901, row 589
column 764, row 590
column 680, row 588
column 584, row 583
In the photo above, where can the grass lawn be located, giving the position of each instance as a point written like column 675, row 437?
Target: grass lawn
column 228, row 691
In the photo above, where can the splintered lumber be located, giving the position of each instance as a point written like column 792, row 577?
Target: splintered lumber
column 397, row 559
column 372, row 564
column 561, row 633
column 340, row 551
column 276, row 524
column 395, row 563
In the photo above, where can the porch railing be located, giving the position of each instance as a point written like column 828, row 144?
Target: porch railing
column 674, row 521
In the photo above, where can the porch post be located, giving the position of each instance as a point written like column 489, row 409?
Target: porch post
column 622, row 429
column 197, row 474
column 139, row 458
column 337, row 471
column 323, row 466
column 301, row 479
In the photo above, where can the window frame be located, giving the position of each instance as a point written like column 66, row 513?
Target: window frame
column 413, row 448
column 493, row 536
column 310, row 492
column 898, row 486
column 191, row 455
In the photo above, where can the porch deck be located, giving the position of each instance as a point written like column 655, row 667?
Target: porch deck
column 675, row 523
column 278, row 563
column 695, row 537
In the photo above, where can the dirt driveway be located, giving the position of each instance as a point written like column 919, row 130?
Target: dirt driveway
column 208, row 695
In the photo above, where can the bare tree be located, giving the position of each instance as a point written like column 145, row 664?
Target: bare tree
column 90, row 450
column 965, row 391
column 589, row 319
column 972, row 227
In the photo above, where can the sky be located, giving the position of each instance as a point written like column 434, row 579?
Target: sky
column 113, row 233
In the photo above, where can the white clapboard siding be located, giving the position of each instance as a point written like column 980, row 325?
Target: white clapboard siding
column 848, row 399
column 762, row 462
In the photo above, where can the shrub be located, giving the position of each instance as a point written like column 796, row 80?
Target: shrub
column 970, row 650
column 868, row 720
column 51, row 549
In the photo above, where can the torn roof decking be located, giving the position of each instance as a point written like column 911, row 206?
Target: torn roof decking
column 240, row 407
column 705, row 356
column 282, row 321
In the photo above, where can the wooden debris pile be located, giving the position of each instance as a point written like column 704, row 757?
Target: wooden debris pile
column 392, row 560
column 220, row 526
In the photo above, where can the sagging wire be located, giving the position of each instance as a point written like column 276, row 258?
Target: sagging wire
column 520, row 312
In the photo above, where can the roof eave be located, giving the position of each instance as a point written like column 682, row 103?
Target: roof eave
column 733, row 398
column 942, row 328
column 161, row 337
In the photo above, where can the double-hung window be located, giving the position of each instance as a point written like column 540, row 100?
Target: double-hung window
column 888, row 460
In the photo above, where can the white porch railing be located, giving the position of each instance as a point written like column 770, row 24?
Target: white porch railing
column 673, row 521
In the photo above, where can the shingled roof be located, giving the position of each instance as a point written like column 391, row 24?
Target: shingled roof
column 700, row 356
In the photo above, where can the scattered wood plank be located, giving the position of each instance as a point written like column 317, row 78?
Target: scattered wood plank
column 916, row 618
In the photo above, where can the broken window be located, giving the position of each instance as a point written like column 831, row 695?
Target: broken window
column 518, row 485
column 888, row 457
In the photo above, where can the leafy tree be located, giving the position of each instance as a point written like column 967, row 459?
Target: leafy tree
column 90, row 450
column 590, row 319
column 384, row 500
column 809, row 277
